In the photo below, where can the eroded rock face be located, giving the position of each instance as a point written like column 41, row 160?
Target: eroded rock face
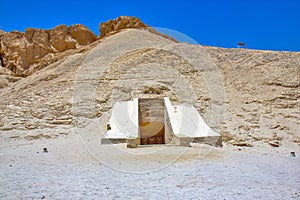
column 122, row 22
column 82, row 34
column 58, row 38
column 21, row 53
column 20, row 50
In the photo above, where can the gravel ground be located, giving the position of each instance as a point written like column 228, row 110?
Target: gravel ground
column 73, row 170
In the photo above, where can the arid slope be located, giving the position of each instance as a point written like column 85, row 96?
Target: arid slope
column 262, row 88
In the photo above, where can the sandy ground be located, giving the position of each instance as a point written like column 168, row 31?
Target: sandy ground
column 76, row 169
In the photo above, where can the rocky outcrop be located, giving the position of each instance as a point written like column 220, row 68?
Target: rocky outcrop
column 122, row 22
column 60, row 40
column 18, row 51
column 82, row 34
column 23, row 53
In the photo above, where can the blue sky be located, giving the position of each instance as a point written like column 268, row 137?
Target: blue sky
column 261, row 24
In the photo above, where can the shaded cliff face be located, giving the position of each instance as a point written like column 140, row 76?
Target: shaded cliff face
column 262, row 88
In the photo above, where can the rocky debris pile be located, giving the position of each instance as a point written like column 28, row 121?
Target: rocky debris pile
column 18, row 51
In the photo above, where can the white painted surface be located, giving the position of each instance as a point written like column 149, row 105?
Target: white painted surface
column 124, row 120
column 186, row 121
column 184, row 118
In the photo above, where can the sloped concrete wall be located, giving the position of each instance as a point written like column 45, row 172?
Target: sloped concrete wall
column 169, row 134
column 186, row 122
column 124, row 120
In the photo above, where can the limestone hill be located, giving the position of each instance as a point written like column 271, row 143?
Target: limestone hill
column 72, row 79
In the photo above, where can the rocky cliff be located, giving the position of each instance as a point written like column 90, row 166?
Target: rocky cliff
column 19, row 51
column 21, row 54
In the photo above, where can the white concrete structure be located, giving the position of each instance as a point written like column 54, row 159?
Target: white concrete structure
column 154, row 121
column 187, row 125
column 124, row 122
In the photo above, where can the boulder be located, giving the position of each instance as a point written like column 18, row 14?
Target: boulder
column 11, row 44
column 3, row 82
column 29, row 33
column 58, row 38
column 82, row 34
column 41, row 43
column 274, row 143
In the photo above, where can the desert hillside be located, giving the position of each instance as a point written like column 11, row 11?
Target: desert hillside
column 61, row 78
column 57, row 88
